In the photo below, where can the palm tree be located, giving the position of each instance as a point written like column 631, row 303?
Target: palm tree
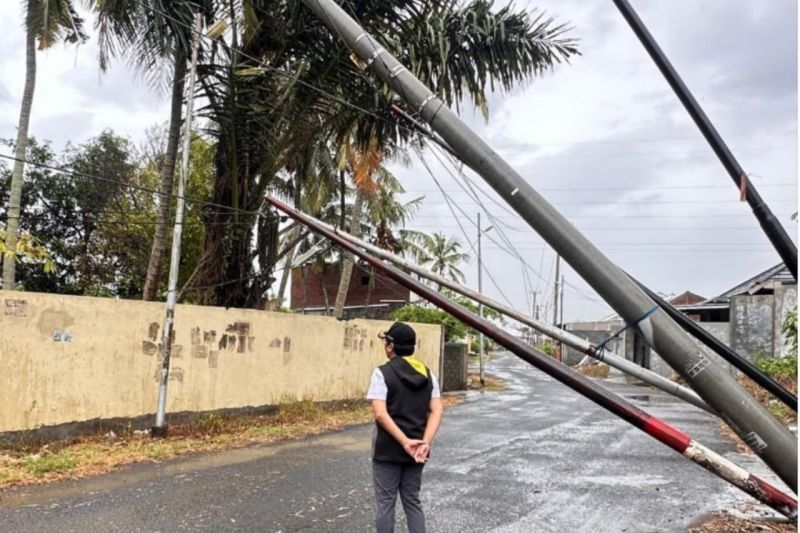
column 49, row 21
column 442, row 255
column 155, row 35
column 265, row 120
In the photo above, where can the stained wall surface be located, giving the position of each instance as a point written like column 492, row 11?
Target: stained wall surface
column 73, row 358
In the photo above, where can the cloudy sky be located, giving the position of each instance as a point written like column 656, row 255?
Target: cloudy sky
column 603, row 138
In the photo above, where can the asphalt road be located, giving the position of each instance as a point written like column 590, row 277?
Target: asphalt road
column 535, row 457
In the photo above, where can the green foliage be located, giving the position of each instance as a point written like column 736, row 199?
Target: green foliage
column 282, row 135
column 440, row 254
column 29, row 250
column 778, row 366
column 49, row 462
column 548, row 347
column 93, row 229
column 53, row 21
column 789, row 330
column 454, row 329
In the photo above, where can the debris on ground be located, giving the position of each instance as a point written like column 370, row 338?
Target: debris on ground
column 721, row 522
column 593, row 369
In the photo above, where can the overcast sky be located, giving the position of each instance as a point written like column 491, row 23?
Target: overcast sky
column 603, row 138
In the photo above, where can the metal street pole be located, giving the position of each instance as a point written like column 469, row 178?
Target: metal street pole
column 160, row 428
column 572, row 340
column 768, row 221
column 556, row 347
column 770, row 439
column 535, row 315
column 561, row 305
column 655, row 427
column 480, row 305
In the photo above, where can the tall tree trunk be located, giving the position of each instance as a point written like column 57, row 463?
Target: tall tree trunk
column 287, row 266
column 347, row 264
column 370, row 286
column 15, row 198
column 157, row 252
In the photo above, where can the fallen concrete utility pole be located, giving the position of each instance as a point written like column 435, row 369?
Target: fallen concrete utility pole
column 578, row 343
column 767, row 437
column 769, row 223
column 656, row 428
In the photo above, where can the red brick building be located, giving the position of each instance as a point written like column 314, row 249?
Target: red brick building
column 371, row 294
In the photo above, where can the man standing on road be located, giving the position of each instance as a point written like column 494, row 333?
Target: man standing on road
column 407, row 406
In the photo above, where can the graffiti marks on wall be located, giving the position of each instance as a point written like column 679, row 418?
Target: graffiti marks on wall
column 239, row 338
column 208, row 344
column 354, row 338
column 15, row 307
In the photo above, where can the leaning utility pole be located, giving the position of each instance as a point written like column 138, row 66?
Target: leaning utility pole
column 769, row 223
column 655, row 427
column 160, row 428
column 480, row 305
column 578, row 343
column 770, row 439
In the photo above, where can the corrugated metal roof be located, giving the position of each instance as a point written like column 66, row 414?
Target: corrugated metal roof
column 779, row 274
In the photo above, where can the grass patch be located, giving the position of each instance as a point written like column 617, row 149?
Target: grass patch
column 779, row 367
column 27, row 463
column 39, row 465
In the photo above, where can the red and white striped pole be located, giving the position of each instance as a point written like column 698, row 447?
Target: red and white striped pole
column 655, row 427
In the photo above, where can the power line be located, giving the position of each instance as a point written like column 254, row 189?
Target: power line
column 63, row 170
column 512, row 251
column 466, row 236
column 710, row 201
column 593, row 189
column 625, row 216
column 525, row 278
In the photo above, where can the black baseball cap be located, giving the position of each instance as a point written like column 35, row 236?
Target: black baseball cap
column 401, row 335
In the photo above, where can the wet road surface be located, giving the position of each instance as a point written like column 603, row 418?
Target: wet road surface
column 535, row 457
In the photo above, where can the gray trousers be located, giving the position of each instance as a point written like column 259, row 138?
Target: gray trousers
column 388, row 479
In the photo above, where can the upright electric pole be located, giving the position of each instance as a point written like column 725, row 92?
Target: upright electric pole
column 160, row 428
column 561, row 317
column 480, row 305
column 556, row 344
column 770, row 439
column 535, row 315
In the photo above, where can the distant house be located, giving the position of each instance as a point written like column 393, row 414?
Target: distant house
column 747, row 317
column 371, row 294
column 629, row 343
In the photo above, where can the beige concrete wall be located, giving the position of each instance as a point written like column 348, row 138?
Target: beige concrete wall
column 72, row 358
